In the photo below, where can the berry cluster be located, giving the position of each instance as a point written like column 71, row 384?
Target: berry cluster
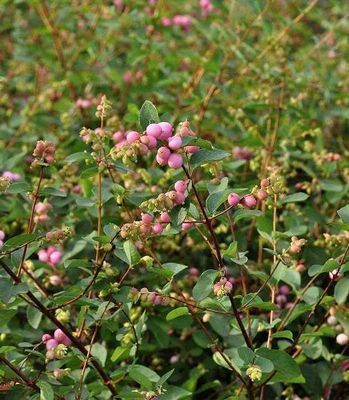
column 41, row 210
column 56, row 345
column 11, row 176
column 168, row 200
column 44, row 152
column 222, row 287
column 50, row 256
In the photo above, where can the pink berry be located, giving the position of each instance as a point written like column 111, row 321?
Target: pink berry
column 175, row 142
column 43, row 256
column 249, row 201
column 154, row 130
column 161, row 161
column 167, row 129
column 157, row 228
column 180, row 186
column 2, row 235
column 51, row 344
column 45, row 337
column 157, row 300
column 61, row 337
column 118, row 136
column 152, row 142
column 264, row 182
column 143, row 149
column 175, row 161
column 233, row 199
column 164, row 153
column 55, row 257
column 261, row 194
column 180, row 198
column 132, row 137
column 191, row 149
column 164, row 217
column 186, row 226
column 147, row 219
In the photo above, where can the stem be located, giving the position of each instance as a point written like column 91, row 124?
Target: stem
column 105, row 377
column 31, row 220
column 219, row 258
column 19, row 373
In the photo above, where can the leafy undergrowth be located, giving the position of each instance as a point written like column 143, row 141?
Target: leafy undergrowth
column 174, row 209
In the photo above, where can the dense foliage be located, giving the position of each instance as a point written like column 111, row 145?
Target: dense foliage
column 174, row 199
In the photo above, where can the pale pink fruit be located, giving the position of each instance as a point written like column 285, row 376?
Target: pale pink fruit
column 186, row 226
column 342, row 339
column 157, row 228
column 2, row 235
column 249, row 201
column 191, row 149
column 164, row 153
column 161, row 161
column 264, row 182
column 147, row 218
column 143, row 149
column 152, row 142
column 154, row 130
column 261, row 194
column 175, row 161
column 45, row 337
column 51, row 344
column 42, row 255
column 55, row 257
column 164, row 217
column 180, row 198
column 132, row 137
column 180, row 186
column 175, row 142
column 166, row 129
column 61, row 337
column 233, row 199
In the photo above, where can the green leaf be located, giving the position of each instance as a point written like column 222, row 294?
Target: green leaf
column 176, row 313
column 174, row 268
column 148, row 114
column 46, row 391
column 19, row 187
column 241, row 214
column 329, row 266
column 344, row 214
column 131, row 252
column 204, row 155
column 283, row 335
column 204, row 285
column 287, row 370
column 20, row 240
column 216, row 199
column 231, row 250
column 120, row 353
column 99, row 352
column 144, row 376
column 51, row 191
column 341, row 290
column 75, row 157
column 164, row 378
column 8, row 290
column 295, row 197
column 34, row 317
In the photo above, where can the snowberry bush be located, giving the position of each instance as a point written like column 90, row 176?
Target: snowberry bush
column 194, row 249
column 115, row 311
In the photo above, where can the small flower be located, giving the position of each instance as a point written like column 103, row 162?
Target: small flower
column 222, row 287
column 254, row 373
